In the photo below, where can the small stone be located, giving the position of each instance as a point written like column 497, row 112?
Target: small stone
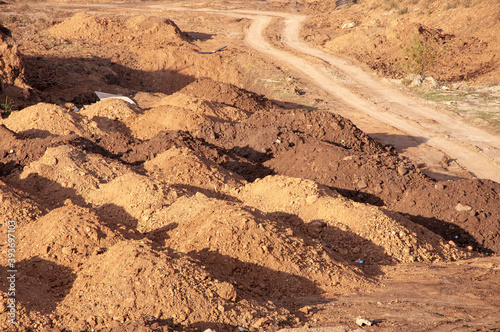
column 66, row 250
column 317, row 224
column 307, row 309
column 362, row 184
column 461, row 208
column 362, row 321
column 311, row 199
column 51, row 161
column 470, row 248
column 226, row 291
column 415, row 80
column 402, row 170
column 349, row 25
column 439, row 186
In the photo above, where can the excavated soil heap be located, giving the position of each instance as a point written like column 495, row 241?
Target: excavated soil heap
column 457, row 40
column 140, row 31
column 226, row 217
column 179, row 210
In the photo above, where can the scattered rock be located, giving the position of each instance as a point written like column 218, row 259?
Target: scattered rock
column 362, row 321
column 227, row 291
column 349, row 25
column 415, row 80
column 461, row 207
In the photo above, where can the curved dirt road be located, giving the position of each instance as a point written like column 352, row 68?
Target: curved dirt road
column 474, row 149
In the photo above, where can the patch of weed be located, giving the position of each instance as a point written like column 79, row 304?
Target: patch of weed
column 439, row 96
column 6, row 108
column 420, row 54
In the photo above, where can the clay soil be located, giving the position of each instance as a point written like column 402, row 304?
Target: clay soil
column 195, row 203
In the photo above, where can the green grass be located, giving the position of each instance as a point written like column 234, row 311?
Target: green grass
column 485, row 116
column 420, row 54
column 6, row 107
column 439, row 96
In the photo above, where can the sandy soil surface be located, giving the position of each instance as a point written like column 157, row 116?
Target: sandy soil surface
column 193, row 203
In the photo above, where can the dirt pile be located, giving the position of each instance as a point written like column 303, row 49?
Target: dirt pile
column 183, row 167
column 68, row 236
column 17, row 206
column 109, row 115
column 121, row 55
column 135, row 200
column 216, row 111
column 188, row 211
column 463, row 36
column 161, row 286
column 138, row 30
column 227, row 94
column 265, row 254
column 206, row 205
column 43, row 119
column 377, row 233
column 67, row 172
column 331, row 151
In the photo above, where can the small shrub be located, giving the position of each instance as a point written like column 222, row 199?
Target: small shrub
column 420, row 54
column 5, row 108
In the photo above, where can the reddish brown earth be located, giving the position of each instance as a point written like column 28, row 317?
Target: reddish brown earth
column 205, row 205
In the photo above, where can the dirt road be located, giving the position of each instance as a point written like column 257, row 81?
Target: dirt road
column 473, row 148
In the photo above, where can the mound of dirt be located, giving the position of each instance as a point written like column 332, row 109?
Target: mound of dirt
column 331, row 151
column 227, row 94
column 385, row 179
column 463, row 211
column 135, row 200
column 202, row 101
column 182, row 167
column 109, row 115
column 397, row 236
column 139, row 153
column 44, row 119
column 215, row 111
column 164, row 118
column 265, row 254
column 137, row 31
column 267, row 133
column 377, row 34
column 377, row 178
column 68, row 236
column 67, row 172
column 17, row 206
column 160, row 285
